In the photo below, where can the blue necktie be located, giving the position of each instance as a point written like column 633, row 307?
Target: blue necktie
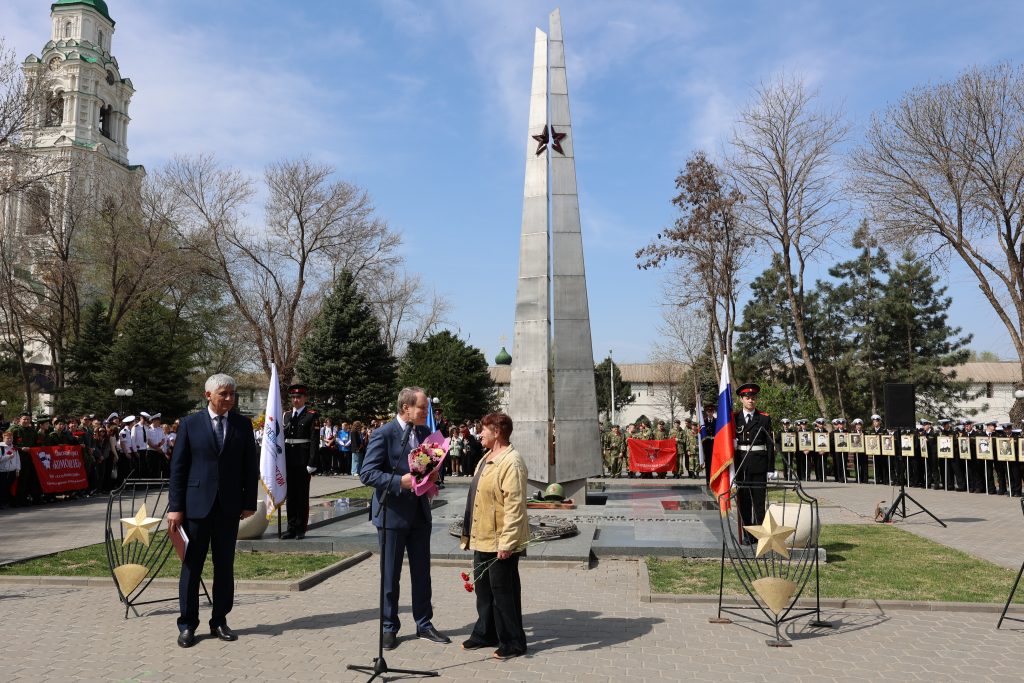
column 220, row 431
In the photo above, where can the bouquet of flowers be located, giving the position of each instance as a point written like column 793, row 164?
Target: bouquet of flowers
column 469, row 580
column 424, row 459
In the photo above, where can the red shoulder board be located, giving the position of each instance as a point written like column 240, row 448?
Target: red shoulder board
column 312, row 412
column 761, row 412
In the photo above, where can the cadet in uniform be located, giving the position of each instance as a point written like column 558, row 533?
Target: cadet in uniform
column 883, row 463
column 788, row 464
column 301, row 442
column 707, row 443
column 802, row 457
column 615, row 448
column 755, row 453
column 838, row 458
column 26, row 437
column 935, row 473
column 860, row 457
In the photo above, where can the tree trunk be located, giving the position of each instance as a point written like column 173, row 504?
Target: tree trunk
column 796, row 310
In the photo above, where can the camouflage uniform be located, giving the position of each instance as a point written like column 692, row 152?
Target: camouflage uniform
column 677, row 433
column 614, row 451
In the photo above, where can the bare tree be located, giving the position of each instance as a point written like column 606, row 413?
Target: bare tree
column 407, row 312
column 277, row 276
column 945, row 167
column 707, row 245
column 783, row 161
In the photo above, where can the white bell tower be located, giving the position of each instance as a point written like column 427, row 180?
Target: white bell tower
column 89, row 98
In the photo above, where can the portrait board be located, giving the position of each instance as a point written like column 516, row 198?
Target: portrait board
column 983, row 447
column 841, row 441
column 888, row 444
column 944, row 445
column 873, row 444
column 806, row 441
column 1005, row 451
column 821, row 442
column 856, row 443
column 907, row 445
column 964, row 443
column 788, row 442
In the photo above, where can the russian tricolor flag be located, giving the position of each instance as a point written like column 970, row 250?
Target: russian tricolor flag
column 725, row 441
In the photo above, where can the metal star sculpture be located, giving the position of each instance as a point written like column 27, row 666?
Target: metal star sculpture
column 555, row 139
column 139, row 526
column 771, row 536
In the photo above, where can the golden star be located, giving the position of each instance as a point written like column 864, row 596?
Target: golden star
column 139, row 526
column 771, row 536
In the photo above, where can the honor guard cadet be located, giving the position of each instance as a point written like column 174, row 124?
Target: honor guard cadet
column 788, row 461
column 755, row 454
column 839, row 461
column 301, row 442
column 860, row 457
column 126, row 443
column 883, row 465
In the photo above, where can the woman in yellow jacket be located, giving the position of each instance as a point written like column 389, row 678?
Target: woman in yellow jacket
column 496, row 529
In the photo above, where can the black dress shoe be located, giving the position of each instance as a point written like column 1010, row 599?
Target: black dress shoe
column 503, row 653
column 390, row 640
column 187, row 638
column 433, row 635
column 288, row 535
column 473, row 644
column 223, row 632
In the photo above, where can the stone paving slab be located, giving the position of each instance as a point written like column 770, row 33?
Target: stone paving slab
column 581, row 626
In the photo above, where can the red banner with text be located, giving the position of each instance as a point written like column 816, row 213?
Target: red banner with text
column 60, row 468
column 652, row 455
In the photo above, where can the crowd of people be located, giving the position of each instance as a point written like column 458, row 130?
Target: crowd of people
column 961, row 455
column 113, row 449
column 343, row 446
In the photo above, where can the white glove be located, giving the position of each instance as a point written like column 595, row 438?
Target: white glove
column 309, row 469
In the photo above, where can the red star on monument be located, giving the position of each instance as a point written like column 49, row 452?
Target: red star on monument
column 555, row 139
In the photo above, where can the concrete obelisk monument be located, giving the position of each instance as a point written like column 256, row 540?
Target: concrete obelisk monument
column 553, row 400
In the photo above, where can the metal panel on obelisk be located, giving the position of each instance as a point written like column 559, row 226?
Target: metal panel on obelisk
column 552, row 361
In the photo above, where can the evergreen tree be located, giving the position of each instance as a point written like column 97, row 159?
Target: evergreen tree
column 453, row 371
column 861, row 281
column 84, row 391
column 623, row 390
column 916, row 340
column 344, row 359
column 154, row 361
column 765, row 347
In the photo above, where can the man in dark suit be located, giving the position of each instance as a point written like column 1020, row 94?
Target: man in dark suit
column 408, row 523
column 755, row 452
column 214, row 474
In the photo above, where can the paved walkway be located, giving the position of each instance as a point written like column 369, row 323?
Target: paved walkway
column 582, row 625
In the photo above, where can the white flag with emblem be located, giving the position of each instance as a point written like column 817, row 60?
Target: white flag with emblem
column 272, row 470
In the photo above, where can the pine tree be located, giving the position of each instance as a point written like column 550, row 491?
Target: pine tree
column 916, row 340
column 344, row 359
column 152, row 360
column 623, row 390
column 453, row 371
column 765, row 347
column 84, row 390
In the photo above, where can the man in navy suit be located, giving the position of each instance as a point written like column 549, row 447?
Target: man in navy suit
column 386, row 468
column 214, row 474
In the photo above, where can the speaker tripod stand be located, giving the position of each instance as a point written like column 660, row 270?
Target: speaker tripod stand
column 899, row 507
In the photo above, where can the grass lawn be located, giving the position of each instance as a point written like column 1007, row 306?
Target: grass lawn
column 92, row 561
column 864, row 561
column 358, row 493
column 779, row 496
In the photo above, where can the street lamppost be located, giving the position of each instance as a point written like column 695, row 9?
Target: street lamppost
column 611, row 383
column 1017, row 411
column 122, row 394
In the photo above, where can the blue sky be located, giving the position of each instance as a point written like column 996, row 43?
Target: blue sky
column 424, row 104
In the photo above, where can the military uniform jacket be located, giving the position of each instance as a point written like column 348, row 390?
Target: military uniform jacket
column 758, row 438
column 302, row 435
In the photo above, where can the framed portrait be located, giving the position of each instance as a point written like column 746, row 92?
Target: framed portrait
column 888, row 444
column 945, row 446
column 922, row 445
column 873, row 444
column 806, row 441
column 964, row 443
column 789, row 442
column 821, row 442
column 856, row 443
column 983, row 447
column 842, row 441
column 1005, row 451
column 907, row 445
column 1020, row 447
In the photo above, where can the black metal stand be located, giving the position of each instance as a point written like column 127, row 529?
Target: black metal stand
column 379, row 666
column 1013, row 590
column 899, row 507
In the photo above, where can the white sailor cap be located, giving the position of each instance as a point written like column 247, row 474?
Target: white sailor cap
column 876, row 416
column 129, row 419
column 154, row 416
column 112, row 416
column 145, row 415
column 858, row 421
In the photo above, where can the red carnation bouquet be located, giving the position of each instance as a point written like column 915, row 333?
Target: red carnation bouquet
column 426, row 458
column 470, row 580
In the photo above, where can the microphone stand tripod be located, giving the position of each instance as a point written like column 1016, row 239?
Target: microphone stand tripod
column 901, row 503
column 379, row 666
